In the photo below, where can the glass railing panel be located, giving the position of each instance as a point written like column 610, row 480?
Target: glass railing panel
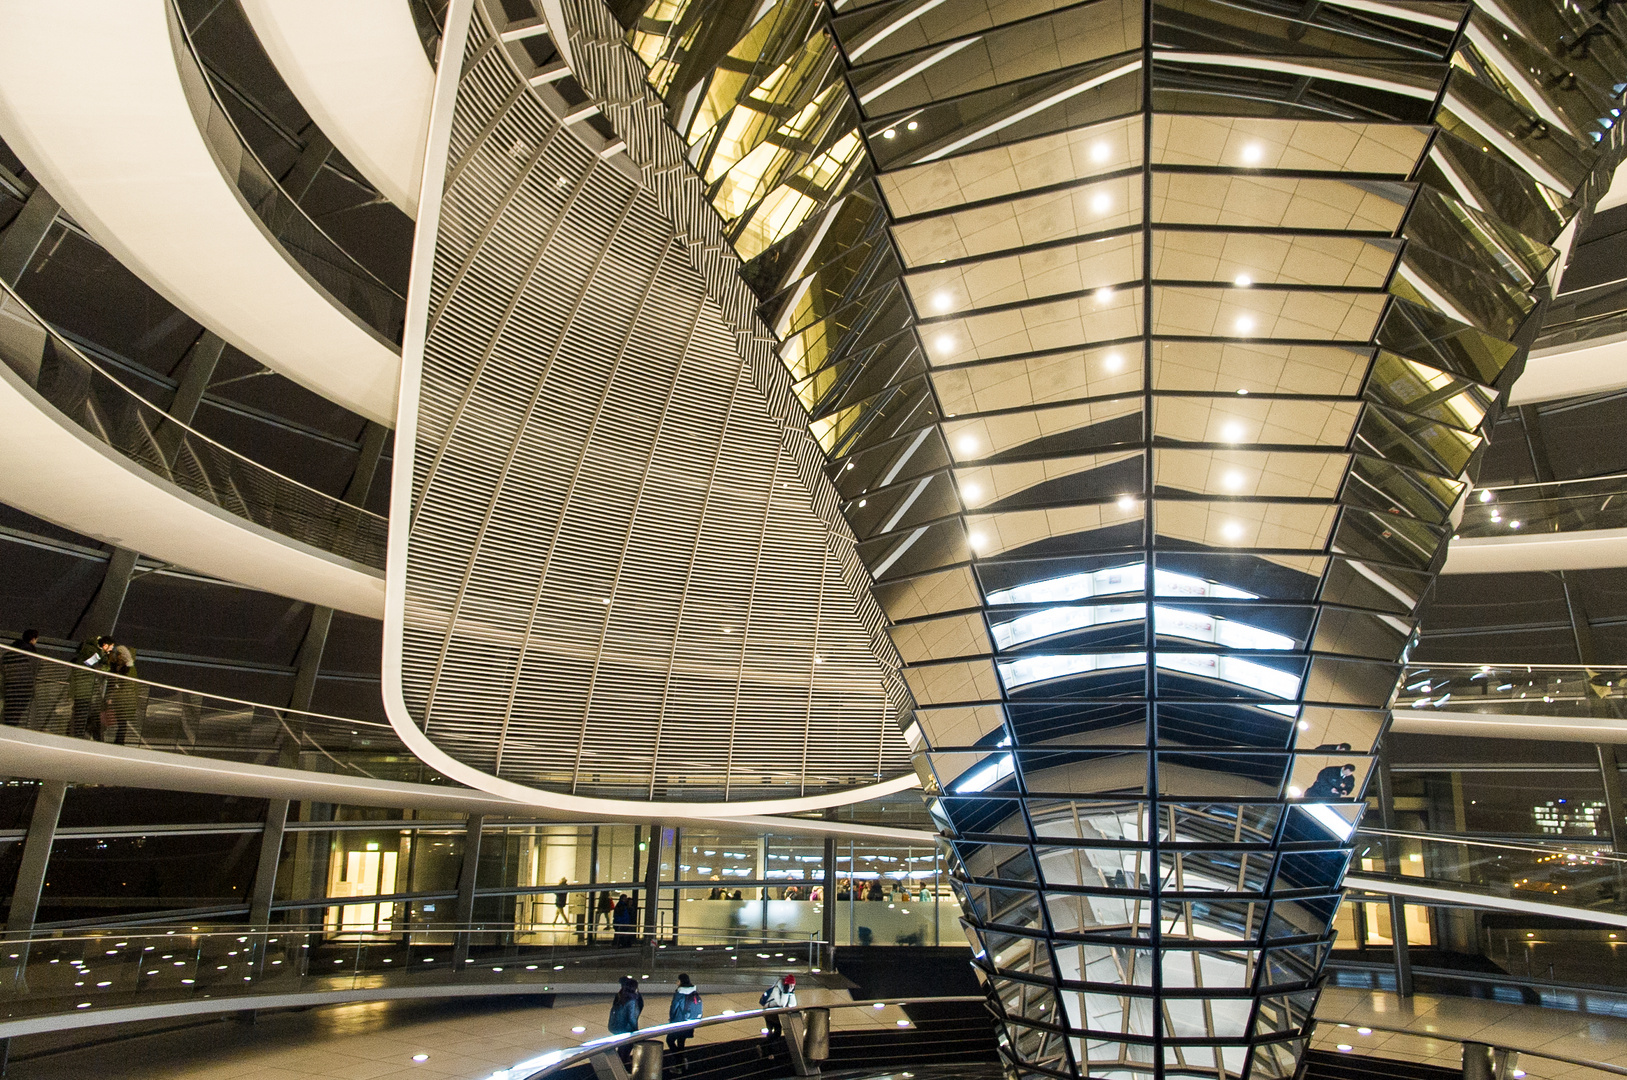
column 57, row 972
column 115, row 415
column 1565, row 506
column 1569, row 690
column 62, row 698
column 347, row 281
column 1573, row 873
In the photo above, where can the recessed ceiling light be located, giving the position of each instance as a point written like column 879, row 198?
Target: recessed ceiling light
column 1113, row 361
column 912, row 125
column 1100, row 152
column 1294, row 793
column 977, row 540
column 1103, row 294
column 890, row 133
column 863, row 502
column 942, row 301
column 1252, row 153
column 1232, row 432
column 1304, row 725
column 1244, row 324
column 1485, row 496
column 1127, row 502
column 944, row 343
column 1101, row 202
column 728, row 630
column 1232, row 530
column 420, row 1057
column 971, row 491
column 819, row 659
column 1232, row 480
column 967, row 444
column 1242, row 391
column 1242, row 281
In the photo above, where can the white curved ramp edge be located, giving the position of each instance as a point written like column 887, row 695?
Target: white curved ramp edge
column 1464, row 898
column 1592, row 549
column 1585, row 729
column 359, row 69
column 458, row 16
column 92, row 102
column 57, row 471
column 1572, row 371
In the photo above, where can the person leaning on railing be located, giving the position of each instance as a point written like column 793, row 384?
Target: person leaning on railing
column 18, row 674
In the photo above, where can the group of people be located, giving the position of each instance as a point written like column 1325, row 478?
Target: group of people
column 686, row 1006
column 849, row 889
column 99, row 704
column 620, row 916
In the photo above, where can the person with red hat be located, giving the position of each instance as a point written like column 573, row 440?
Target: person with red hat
column 782, row 995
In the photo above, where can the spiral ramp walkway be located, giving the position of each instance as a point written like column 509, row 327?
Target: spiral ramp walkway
column 104, row 103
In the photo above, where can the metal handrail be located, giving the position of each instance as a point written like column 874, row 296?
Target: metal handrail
column 1619, row 477
column 94, row 401
column 557, row 1060
column 350, row 283
column 1542, row 847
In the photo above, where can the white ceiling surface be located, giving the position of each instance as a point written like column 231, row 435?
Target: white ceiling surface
column 58, row 472
column 359, row 69
column 91, row 101
column 1594, row 549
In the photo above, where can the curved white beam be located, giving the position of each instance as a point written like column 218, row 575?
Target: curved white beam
column 57, row 471
column 37, row 755
column 1432, row 894
column 1586, row 729
column 92, row 101
column 1571, row 371
column 1592, row 549
column 359, row 69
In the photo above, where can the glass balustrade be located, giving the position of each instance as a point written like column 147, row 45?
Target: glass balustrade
column 1569, row 690
column 65, row 971
column 1578, row 873
column 1564, row 506
column 63, row 698
column 115, row 416
column 347, row 281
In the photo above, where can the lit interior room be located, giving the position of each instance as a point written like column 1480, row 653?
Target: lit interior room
column 760, row 539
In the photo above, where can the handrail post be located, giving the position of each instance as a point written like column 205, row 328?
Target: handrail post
column 646, row 1058
column 816, row 1041
column 796, row 1035
column 607, row 1066
column 1477, row 1061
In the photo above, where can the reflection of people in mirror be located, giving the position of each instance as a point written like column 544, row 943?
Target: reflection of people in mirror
column 1333, row 782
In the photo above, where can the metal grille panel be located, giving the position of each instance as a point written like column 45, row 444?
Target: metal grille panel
column 617, row 583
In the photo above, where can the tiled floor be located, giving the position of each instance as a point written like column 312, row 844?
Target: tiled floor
column 464, row 1040
column 1438, row 1025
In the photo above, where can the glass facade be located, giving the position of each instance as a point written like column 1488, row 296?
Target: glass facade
column 1152, row 347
